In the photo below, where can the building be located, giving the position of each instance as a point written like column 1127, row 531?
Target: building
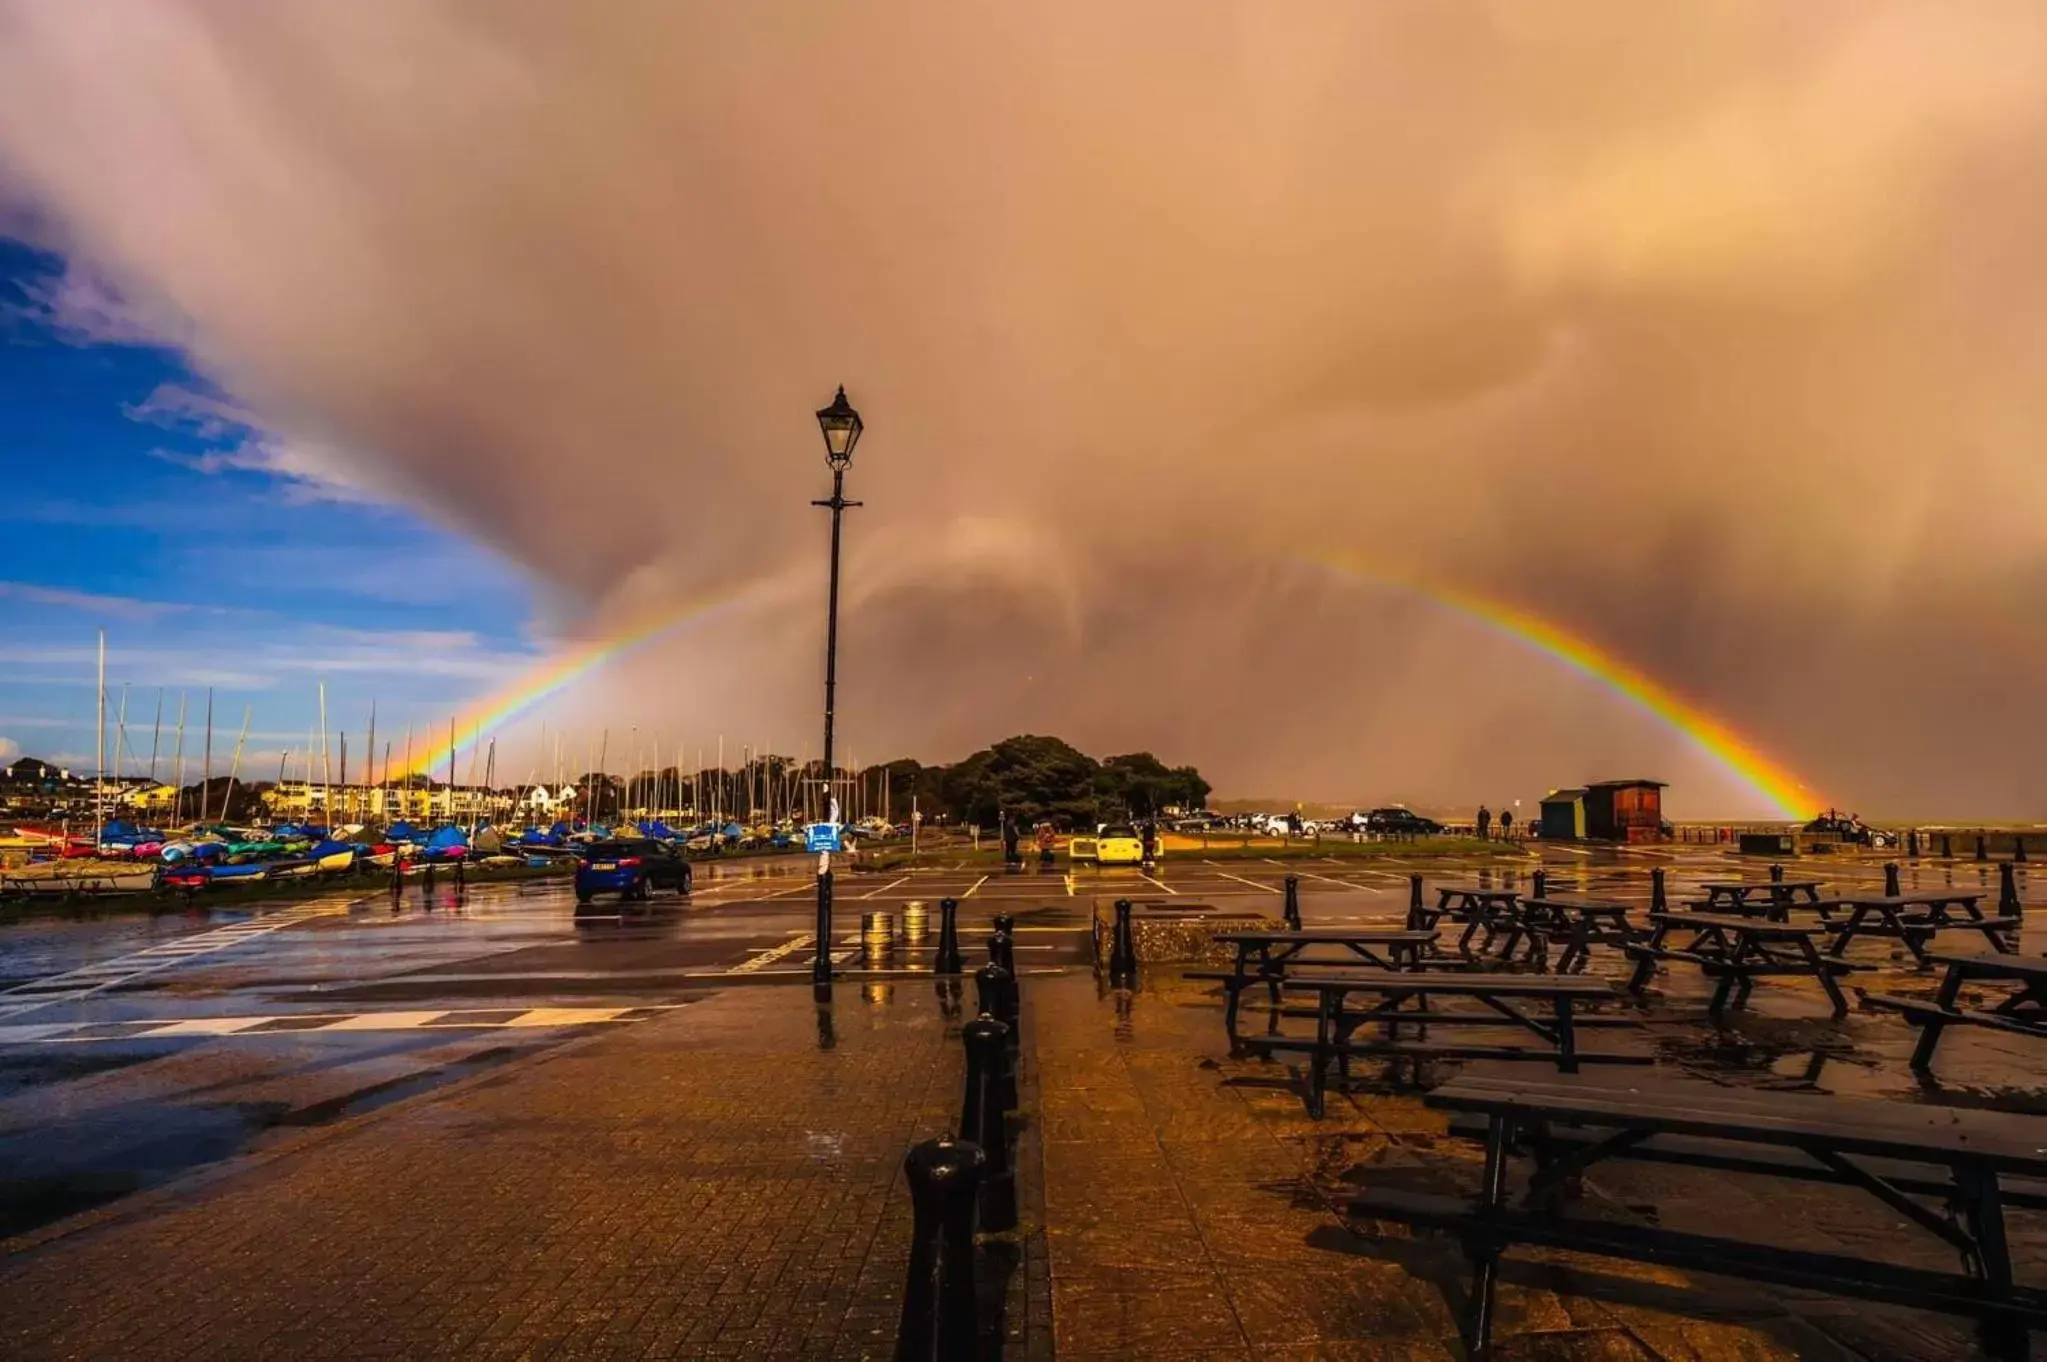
column 1563, row 815
column 1605, row 811
column 1624, row 810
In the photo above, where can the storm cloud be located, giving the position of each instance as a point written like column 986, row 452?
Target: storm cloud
column 1716, row 334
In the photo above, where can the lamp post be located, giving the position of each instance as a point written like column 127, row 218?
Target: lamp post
column 841, row 426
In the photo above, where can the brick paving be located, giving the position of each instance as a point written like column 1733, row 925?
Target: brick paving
column 724, row 1181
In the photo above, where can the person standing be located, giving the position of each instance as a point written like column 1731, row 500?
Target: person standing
column 1506, row 825
column 1485, row 821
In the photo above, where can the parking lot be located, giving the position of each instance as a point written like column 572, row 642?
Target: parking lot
column 133, row 1048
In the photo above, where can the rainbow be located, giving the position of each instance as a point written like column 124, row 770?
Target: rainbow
column 484, row 718
column 1771, row 780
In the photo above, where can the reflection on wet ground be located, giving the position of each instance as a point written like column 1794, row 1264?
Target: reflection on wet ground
column 1187, row 1198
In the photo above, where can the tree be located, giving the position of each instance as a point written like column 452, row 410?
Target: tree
column 1028, row 777
column 1145, row 787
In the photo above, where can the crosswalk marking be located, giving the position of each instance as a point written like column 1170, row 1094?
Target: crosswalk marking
column 100, row 975
column 304, row 1023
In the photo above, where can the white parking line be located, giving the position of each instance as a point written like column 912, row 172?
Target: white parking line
column 1268, row 888
column 773, row 953
column 977, row 884
column 1160, row 883
column 884, row 889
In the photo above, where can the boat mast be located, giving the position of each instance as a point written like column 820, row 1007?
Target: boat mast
column 206, row 778
column 369, row 764
column 99, row 779
column 326, row 772
column 156, row 737
column 235, row 769
column 178, row 808
column 405, row 774
column 451, row 768
column 603, row 755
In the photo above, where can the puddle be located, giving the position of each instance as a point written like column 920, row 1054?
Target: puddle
column 58, row 1171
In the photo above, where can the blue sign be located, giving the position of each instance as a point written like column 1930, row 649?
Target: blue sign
column 821, row 837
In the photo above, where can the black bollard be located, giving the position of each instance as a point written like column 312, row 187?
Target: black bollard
column 1947, row 848
column 1891, row 889
column 426, row 880
column 2008, row 904
column 992, row 992
column 1912, row 844
column 1123, row 953
column 1982, row 847
column 1777, row 873
column 1416, row 912
column 461, row 875
column 981, row 1117
column 1291, row 907
column 2018, row 846
column 940, row 1315
column 1005, row 931
column 1541, row 885
column 949, row 960
column 397, row 875
column 1658, row 899
column 1002, row 952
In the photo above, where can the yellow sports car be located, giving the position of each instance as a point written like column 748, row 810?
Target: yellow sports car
column 1114, row 844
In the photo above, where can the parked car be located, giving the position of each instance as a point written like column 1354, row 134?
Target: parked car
column 631, row 869
column 1849, row 828
column 1399, row 820
column 1113, row 844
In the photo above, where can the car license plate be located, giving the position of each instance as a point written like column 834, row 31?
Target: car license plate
column 604, row 865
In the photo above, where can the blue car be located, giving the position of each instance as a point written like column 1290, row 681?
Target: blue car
column 631, row 869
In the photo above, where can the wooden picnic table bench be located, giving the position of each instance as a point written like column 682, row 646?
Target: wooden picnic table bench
column 1270, row 957
column 1959, row 1156
column 1460, row 902
column 1580, row 923
column 2024, row 1012
column 1404, row 999
column 1735, row 894
column 1914, row 918
column 1737, row 951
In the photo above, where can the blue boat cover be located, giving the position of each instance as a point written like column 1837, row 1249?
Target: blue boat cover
column 445, row 837
column 401, row 831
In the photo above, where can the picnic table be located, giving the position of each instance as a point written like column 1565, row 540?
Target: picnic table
column 1395, row 999
column 1580, row 923
column 2023, row 1012
column 1267, row 957
column 1460, row 903
column 1739, row 896
column 1914, row 918
column 1897, row 1152
column 1737, row 951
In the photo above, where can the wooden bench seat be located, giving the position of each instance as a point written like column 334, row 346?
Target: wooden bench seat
column 1903, row 1154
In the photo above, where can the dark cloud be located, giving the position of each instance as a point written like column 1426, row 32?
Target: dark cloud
column 1712, row 332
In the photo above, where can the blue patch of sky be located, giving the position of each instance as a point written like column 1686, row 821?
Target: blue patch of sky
column 204, row 566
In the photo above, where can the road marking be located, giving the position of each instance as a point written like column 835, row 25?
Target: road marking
column 976, row 885
column 304, row 1023
column 87, row 980
column 773, row 953
column 1160, row 883
column 1069, row 884
column 884, row 889
column 1268, row 888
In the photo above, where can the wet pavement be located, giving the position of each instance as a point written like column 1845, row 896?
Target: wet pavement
column 334, row 1054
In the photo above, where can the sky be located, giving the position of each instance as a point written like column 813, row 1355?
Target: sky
column 1209, row 353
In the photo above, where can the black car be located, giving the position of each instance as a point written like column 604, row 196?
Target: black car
column 631, row 868
column 1401, row 821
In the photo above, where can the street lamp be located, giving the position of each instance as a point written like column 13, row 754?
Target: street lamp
column 841, row 426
